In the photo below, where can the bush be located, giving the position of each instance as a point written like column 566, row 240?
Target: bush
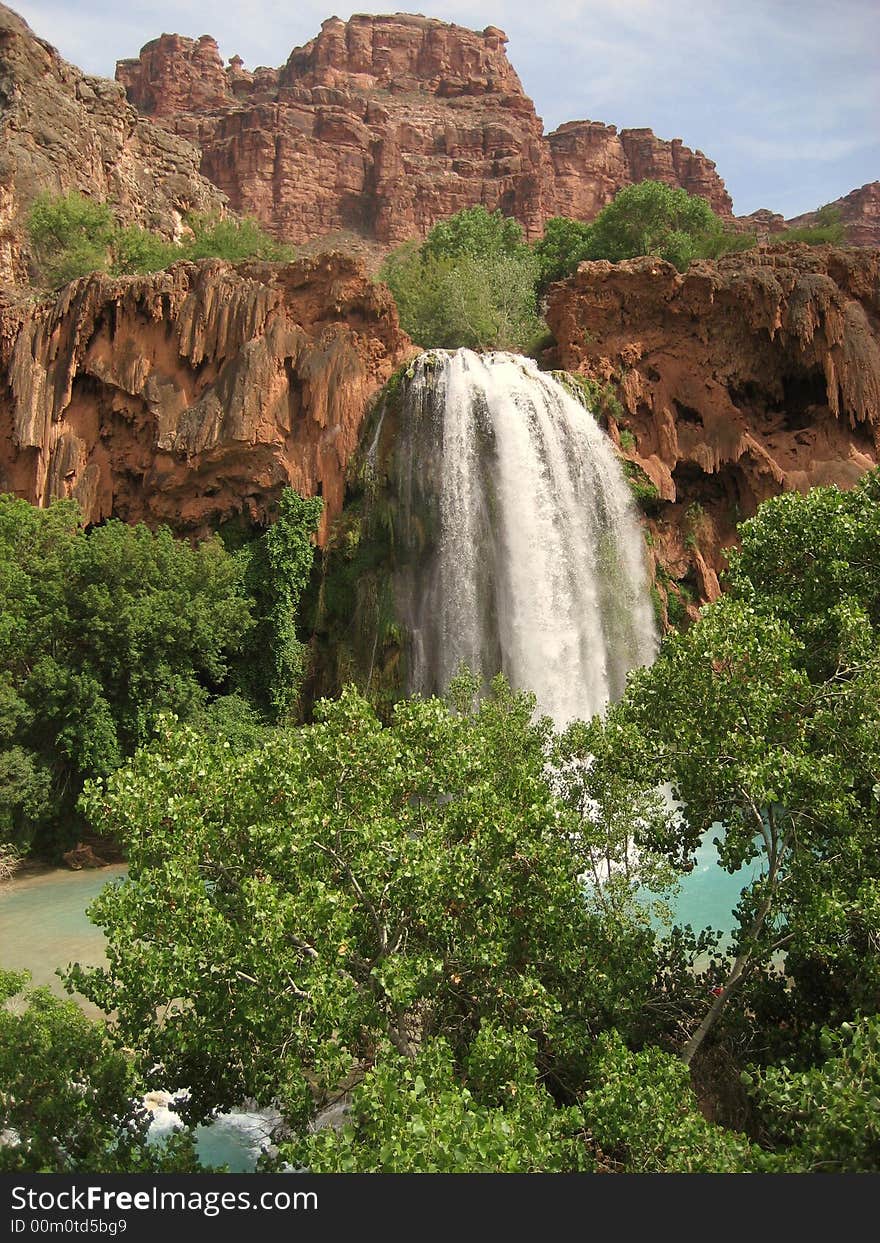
column 829, row 228
column 72, row 235
column 644, row 1116
column 233, row 239
column 471, row 283
column 138, row 250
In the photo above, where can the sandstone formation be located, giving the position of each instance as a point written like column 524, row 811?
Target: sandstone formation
column 384, row 125
column 62, row 130
column 193, row 395
column 740, row 379
column 859, row 213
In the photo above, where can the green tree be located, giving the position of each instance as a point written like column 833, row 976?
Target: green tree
column 564, row 245
column 826, row 1118
column 471, row 283
column 422, row 1115
column 652, row 218
column 348, row 890
column 642, row 1115
column 138, row 250
column 98, row 633
column 788, row 758
column 277, row 567
column 475, row 233
column 68, row 1098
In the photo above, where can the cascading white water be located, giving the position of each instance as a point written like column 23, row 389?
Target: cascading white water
column 526, row 555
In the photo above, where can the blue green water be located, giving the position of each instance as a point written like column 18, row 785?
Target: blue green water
column 43, row 925
column 707, row 895
column 43, row 922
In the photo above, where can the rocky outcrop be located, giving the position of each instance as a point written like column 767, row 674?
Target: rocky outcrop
column 384, row 125
column 62, row 130
column 193, row 395
column 763, row 224
column 859, row 214
column 592, row 161
column 740, row 379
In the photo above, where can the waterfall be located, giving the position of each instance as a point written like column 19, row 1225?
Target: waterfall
column 523, row 549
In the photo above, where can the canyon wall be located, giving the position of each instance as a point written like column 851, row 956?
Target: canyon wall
column 194, row 395
column 859, row 214
column 383, row 125
column 741, row 379
column 63, row 130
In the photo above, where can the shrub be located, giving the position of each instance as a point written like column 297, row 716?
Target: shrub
column 471, row 283
column 829, row 228
column 138, row 250
column 70, row 235
column 233, row 239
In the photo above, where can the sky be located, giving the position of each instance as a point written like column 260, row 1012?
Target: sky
column 784, row 95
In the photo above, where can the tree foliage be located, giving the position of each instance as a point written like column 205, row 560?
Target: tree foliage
column 642, row 1115
column 826, row 1118
column 350, row 888
column 470, row 283
column 787, row 756
column 565, row 243
column 72, row 235
column 98, row 633
column 232, row 238
column 648, row 218
column 425, row 1115
column 69, row 1099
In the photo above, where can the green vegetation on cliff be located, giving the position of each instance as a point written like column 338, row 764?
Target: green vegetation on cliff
column 649, row 218
column 72, row 235
column 471, row 283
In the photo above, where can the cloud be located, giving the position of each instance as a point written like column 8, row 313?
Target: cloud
column 796, row 151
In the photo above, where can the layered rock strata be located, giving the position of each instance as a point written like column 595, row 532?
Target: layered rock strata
column 384, row 125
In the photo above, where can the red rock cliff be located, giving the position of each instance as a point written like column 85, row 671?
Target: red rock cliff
column 740, row 379
column 384, row 125
column 194, row 394
column 62, row 130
